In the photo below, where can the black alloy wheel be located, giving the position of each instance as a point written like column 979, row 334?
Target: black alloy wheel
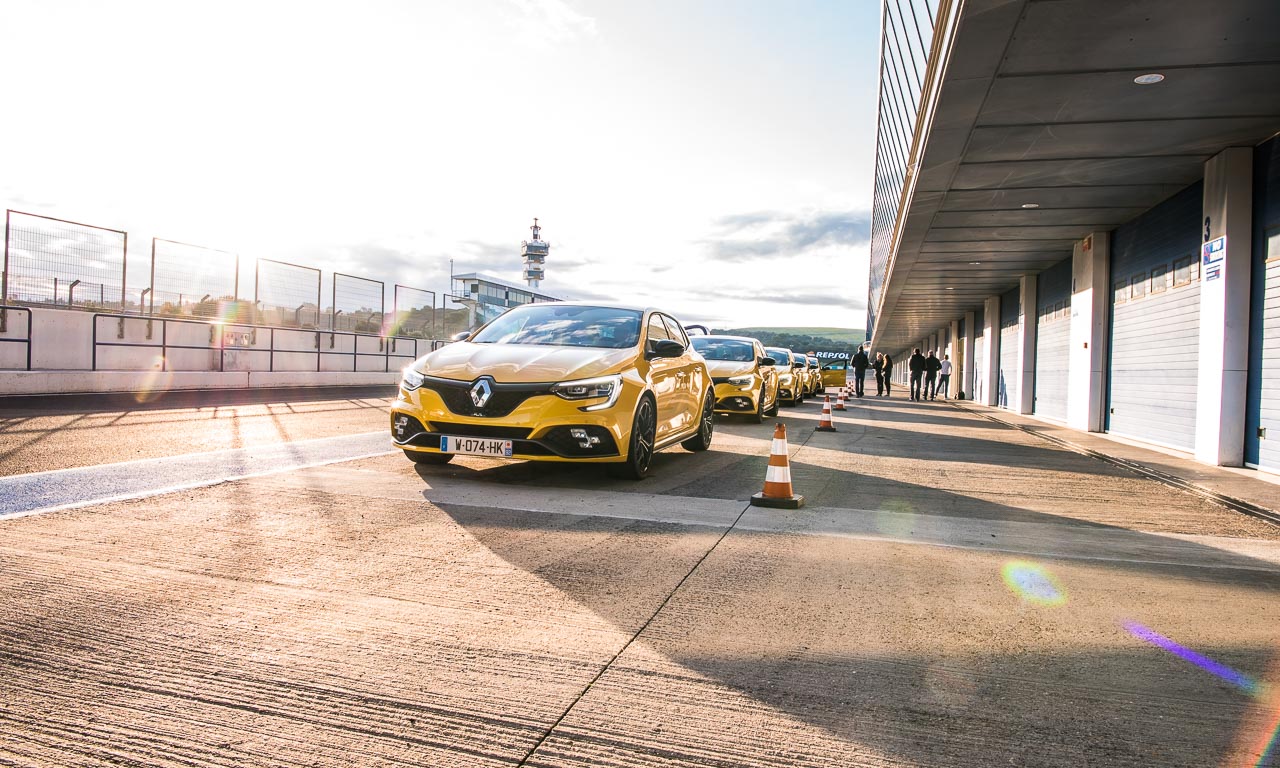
column 706, row 426
column 758, row 416
column 644, row 430
column 422, row 457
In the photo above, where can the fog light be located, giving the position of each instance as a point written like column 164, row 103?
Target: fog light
column 401, row 423
column 584, row 440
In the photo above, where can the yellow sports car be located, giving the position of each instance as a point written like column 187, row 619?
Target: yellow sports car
column 791, row 387
column 561, row 381
column 745, row 378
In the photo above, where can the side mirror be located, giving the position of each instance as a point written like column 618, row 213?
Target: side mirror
column 463, row 336
column 667, row 348
column 768, row 361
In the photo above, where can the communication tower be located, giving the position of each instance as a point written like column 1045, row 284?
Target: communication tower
column 534, row 253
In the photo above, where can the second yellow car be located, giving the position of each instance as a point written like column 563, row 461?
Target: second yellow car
column 745, row 378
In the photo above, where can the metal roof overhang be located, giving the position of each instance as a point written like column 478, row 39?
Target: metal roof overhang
column 1036, row 104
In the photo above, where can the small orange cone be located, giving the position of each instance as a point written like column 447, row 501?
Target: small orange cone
column 825, row 424
column 777, row 491
column 840, row 402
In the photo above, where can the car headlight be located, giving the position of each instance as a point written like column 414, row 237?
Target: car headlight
column 411, row 379
column 586, row 389
column 741, row 381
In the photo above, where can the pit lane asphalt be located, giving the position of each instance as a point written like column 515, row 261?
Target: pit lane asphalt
column 373, row 612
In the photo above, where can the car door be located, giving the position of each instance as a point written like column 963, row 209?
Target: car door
column 663, row 377
column 689, row 385
column 768, row 376
column 835, row 373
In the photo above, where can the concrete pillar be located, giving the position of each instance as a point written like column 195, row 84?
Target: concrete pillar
column 1026, row 345
column 953, row 350
column 991, row 360
column 1224, row 307
column 966, row 361
column 1087, row 358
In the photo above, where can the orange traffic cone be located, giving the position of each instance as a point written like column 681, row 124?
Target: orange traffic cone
column 840, row 402
column 825, row 424
column 777, row 491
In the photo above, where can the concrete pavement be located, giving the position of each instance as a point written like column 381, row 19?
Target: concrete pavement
column 957, row 593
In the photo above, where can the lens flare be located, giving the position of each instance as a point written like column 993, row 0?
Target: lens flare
column 1032, row 583
column 1235, row 677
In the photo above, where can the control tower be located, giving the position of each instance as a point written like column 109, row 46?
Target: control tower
column 534, row 253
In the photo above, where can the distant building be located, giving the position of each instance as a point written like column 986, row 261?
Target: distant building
column 487, row 297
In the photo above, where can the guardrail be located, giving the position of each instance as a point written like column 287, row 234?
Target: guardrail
column 243, row 340
column 4, row 328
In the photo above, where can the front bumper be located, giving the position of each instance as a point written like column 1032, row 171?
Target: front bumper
column 732, row 399
column 538, row 427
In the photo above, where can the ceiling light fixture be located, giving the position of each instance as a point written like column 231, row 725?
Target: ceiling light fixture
column 975, row 262
column 1149, row 79
column 949, row 288
column 1030, row 205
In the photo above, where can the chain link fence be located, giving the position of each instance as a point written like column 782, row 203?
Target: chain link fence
column 413, row 312
column 52, row 262
column 357, row 304
column 286, row 294
column 192, row 281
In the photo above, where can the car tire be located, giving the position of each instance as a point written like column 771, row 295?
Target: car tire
column 422, row 457
column 706, row 426
column 644, row 428
column 773, row 409
column 758, row 416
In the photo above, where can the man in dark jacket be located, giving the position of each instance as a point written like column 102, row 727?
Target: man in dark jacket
column 916, row 365
column 860, row 364
column 931, row 367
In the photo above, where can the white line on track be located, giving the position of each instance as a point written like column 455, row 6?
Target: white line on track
column 62, row 489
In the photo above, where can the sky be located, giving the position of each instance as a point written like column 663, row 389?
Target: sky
column 712, row 158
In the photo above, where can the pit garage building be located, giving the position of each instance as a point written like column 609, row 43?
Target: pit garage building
column 1079, row 201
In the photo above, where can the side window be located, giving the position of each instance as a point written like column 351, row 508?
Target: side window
column 657, row 330
column 675, row 332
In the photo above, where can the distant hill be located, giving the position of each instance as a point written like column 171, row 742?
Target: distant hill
column 803, row 339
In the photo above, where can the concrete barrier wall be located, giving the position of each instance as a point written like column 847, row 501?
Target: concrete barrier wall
column 63, row 340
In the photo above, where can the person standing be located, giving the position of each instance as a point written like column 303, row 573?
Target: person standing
column 888, row 375
column 878, row 366
column 931, row 367
column 944, row 376
column 860, row 364
column 916, row 365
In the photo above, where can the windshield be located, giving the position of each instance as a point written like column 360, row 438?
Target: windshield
column 813, row 362
column 724, row 349
column 782, row 356
column 560, row 325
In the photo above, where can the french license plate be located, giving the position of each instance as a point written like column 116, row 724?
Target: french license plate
column 475, row 446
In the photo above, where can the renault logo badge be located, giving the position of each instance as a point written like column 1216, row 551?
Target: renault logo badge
column 481, row 391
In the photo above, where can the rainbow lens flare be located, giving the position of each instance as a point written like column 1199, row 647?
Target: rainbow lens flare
column 1032, row 583
column 1235, row 677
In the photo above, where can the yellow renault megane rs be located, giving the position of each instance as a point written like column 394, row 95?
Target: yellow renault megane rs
column 561, row 381
column 745, row 377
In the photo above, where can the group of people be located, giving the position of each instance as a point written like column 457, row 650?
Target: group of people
column 929, row 375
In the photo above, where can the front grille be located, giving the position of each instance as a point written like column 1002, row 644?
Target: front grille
column 480, row 430
column 505, row 398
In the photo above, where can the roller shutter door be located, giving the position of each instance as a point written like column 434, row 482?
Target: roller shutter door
column 1269, row 392
column 1053, row 340
column 1155, row 323
column 1007, row 396
column 1262, row 404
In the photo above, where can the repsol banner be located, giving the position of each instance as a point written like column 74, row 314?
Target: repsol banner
column 828, row 354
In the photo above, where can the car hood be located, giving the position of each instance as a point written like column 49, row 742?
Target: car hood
column 522, row 363
column 726, row 368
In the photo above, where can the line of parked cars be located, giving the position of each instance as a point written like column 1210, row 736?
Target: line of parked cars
column 584, row 382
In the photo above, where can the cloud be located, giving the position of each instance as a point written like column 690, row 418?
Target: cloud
column 808, row 298
column 749, row 236
column 548, row 22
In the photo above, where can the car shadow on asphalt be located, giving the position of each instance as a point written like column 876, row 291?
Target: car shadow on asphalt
column 856, row 679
